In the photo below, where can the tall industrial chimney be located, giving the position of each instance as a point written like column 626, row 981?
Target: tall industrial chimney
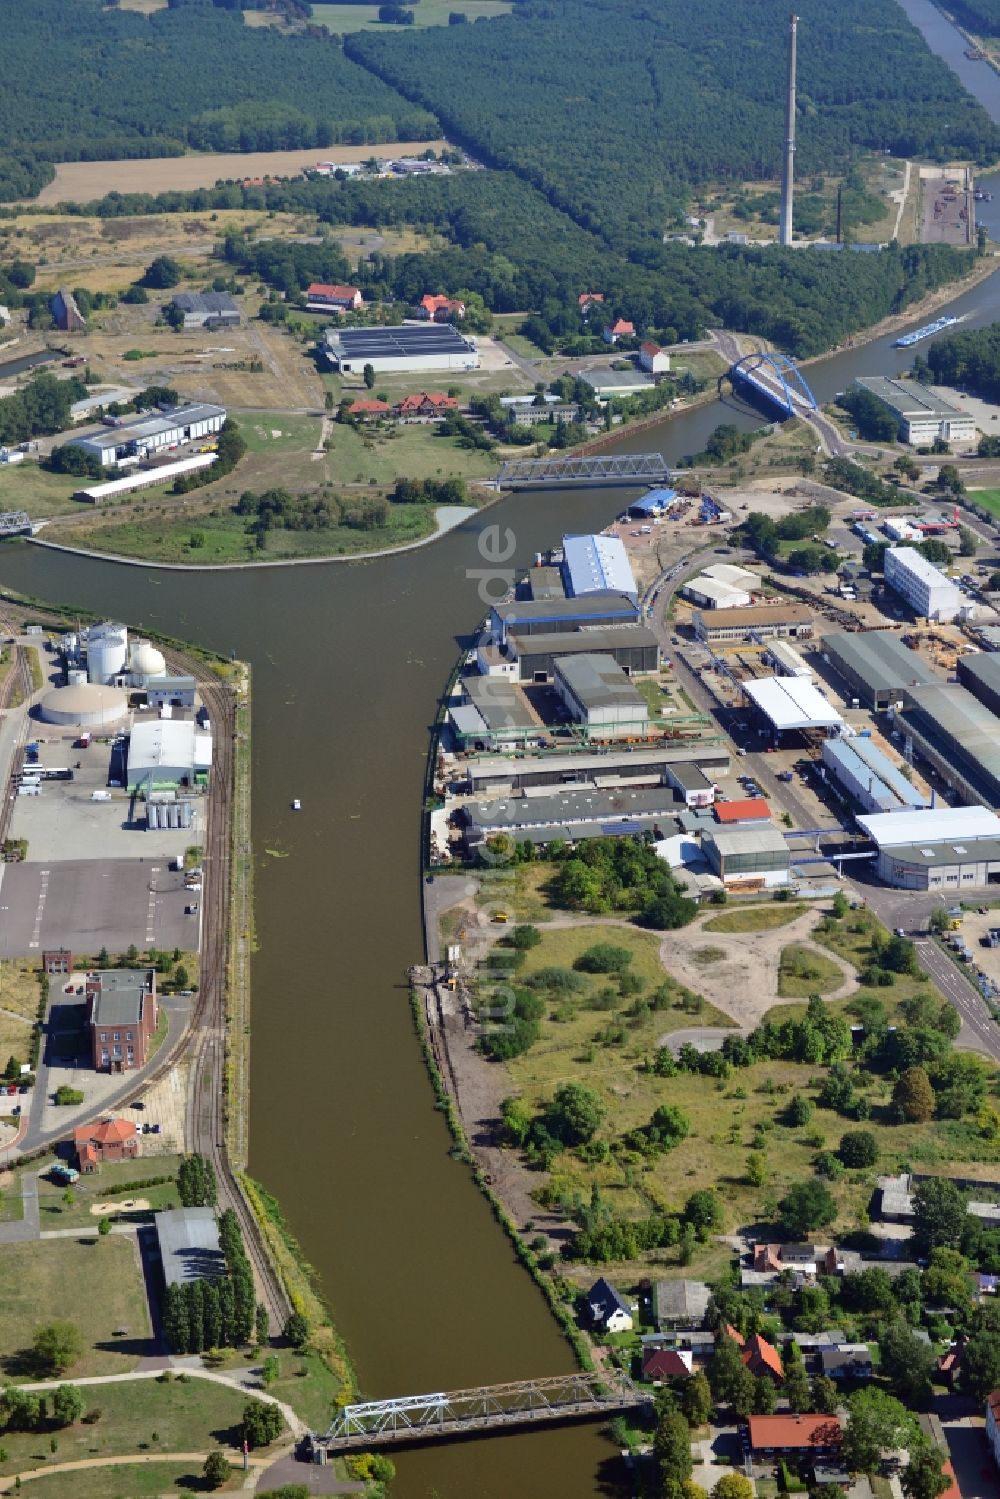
column 788, row 177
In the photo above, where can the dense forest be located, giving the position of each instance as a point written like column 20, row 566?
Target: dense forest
column 84, row 82
column 979, row 16
column 970, row 359
column 615, row 111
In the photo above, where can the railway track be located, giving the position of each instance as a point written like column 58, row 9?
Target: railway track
column 203, row 1045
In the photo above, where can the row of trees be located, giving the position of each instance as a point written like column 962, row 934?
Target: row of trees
column 214, row 1313
column 196, row 1185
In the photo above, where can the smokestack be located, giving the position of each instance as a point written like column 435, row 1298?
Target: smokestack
column 787, row 183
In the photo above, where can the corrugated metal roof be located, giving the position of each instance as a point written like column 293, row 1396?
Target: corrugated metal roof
column 881, row 660
column 792, row 703
column 596, row 564
column 860, row 759
column 931, row 825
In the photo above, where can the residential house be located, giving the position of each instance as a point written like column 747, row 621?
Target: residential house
column 587, row 299
column 950, row 1362
column 653, row 358
column 986, row 1285
column 993, row 1424
column 620, row 328
column 796, row 1436
column 368, row 411
column 847, row 1361
column 110, row 1140
column 659, row 1364
column 426, row 403
column 734, row 1333
column 761, row 1357
column 680, row 1303
column 609, row 1311
column 121, row 1017
column 321, row 297
column 441, row 309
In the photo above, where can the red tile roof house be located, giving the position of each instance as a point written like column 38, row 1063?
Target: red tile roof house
column 368, row 411
column 801, row 1436
column 441, row 309
column 111, row 1140
column 620, row 328
column 336, row 298
column 666, row 1363
column 761, row 1357
column 426, row 403
column 585, row 299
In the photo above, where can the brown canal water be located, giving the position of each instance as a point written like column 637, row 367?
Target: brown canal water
column 348, row 663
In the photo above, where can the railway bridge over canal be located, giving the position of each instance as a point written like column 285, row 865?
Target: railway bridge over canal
column 636, row 469
column 488, row 1408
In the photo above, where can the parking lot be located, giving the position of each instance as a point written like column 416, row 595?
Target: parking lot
column 63, row 822
column 87, row 904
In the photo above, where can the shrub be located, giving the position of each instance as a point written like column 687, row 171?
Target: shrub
column 603, row 957
column 858, row 1148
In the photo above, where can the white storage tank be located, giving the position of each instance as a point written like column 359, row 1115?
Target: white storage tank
column 107, row 652
column 146, row 661
column 91, row 705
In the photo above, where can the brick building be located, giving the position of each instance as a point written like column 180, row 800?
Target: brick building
column 121, row 1017
column 110, row 1140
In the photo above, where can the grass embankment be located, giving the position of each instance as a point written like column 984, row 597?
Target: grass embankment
column 298, row 1277
column 95, row 1283
column 802, row 972
column 25, row 486
column 201, row 527
column 127, row 1481
column 729, row 1117
column 142, row 1415
column 755, row 918
column 561, row 1310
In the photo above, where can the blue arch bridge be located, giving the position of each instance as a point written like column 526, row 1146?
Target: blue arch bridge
column 488, row 1408
column 774, row 382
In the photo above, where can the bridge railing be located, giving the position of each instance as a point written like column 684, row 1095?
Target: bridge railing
column 410, row 1417
column 625, row 468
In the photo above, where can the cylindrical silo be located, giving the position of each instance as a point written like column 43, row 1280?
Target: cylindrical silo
column 107, row 652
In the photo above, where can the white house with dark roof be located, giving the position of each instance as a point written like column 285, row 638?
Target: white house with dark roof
column 609, row 1311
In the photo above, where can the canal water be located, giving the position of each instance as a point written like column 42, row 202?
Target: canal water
column 348, row 663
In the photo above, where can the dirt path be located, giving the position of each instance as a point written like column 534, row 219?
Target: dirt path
column 743, row 981
column 16, row 1480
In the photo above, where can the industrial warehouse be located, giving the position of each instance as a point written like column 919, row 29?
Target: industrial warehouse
column 129, row 440
column 957, row 735
column 767, row 622
column 944, row 848
column 923, row 416
column 413, row 348
column 876, row 666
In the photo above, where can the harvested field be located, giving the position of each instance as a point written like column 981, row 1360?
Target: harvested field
column 81, row 181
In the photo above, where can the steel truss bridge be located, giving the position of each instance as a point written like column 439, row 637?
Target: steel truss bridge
column 488, row 1408
column 624, row 468
column 776, row 379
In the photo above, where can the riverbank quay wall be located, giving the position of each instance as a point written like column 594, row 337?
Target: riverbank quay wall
column 218, row 1104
